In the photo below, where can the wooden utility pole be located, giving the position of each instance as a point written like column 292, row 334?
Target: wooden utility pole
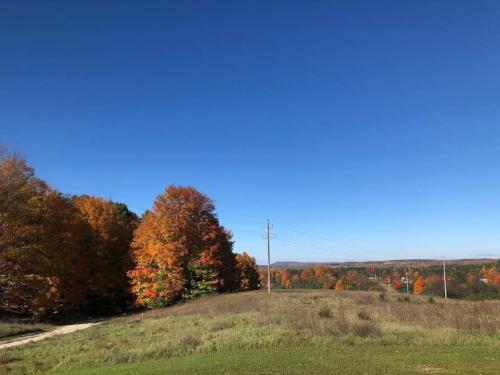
column 407, row 286
column 268, row 237
column 444, row 279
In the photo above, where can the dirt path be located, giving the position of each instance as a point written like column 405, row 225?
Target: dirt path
column 42, row 336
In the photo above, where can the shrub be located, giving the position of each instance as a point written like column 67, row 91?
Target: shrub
column 221, row 325
column 325, row 312
column 186, row 341
column 363, row 315
column 342, row 325
column 366, row 329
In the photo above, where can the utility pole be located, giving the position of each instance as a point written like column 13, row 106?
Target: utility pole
column 407, row 286
column 268, row 236
column 444, row 279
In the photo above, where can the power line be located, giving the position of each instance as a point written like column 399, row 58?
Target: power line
column 315, row 246
column 291, row 240
column 300, row 231
column 239, row 215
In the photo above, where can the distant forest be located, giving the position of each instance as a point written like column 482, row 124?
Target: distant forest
column 464, row 281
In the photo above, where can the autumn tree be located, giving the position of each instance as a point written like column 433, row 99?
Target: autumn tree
column 218, row 255
column 263, row 276
column 181, row 250
column 339, row 285
column 43, row 253
column 285, row 279
column 111, row 226
column 307, row 279
column 434, row 284
column 325, row 277
column 248, row 273
column 492, row 276
column 419, row 286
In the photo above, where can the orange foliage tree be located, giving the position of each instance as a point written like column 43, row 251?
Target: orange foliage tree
column 181, row 250
column 248, row 273
column 339, row 285
column 43, row 252
column 419, row 286
column 492, row 276
column 325, row 276
column 111, row 230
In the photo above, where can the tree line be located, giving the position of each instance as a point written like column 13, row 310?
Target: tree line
column 463, row 281
column 61, row 254
column 319, row 277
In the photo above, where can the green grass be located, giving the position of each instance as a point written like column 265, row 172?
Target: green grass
column 9, row 331
column 289, row 332
column 371, row 359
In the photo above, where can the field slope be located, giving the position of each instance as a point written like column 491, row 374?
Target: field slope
column 289, row 332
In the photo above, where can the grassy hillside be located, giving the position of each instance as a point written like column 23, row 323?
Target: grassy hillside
column 9, row 331
column 289, row 332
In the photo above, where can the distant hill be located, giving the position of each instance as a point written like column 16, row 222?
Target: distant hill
column 385, row 263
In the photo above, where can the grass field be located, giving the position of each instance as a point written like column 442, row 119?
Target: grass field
column 289, row 332
column 11, row 330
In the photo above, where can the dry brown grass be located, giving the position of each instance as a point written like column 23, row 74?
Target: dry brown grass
column 365, row 329
column 363, row 315
column 467, row 316
column 186, row 340
column 219, row 326
column 325, row 312
column 339, row 313
column 214, row 305
column 464, row 316
column 316, row 318
column 327, row 321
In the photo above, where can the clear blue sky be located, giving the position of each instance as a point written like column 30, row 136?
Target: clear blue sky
column 362, row 129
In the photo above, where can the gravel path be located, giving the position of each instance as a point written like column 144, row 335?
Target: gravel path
column 42, row 336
